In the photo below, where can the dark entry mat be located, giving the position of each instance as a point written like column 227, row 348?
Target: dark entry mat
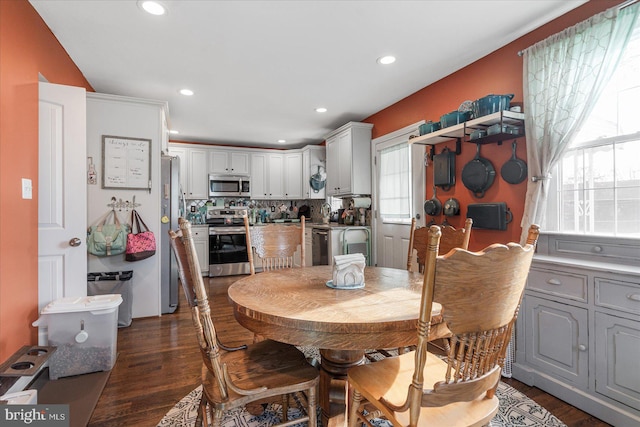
column 80, row 392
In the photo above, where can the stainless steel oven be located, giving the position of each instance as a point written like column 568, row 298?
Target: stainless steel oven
column 227, row 243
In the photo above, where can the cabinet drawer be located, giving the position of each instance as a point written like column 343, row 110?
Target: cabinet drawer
column 618, row 294
column 562, row 284
column 200, row 231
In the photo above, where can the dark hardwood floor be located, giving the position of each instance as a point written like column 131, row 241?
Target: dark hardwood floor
column 159, row 363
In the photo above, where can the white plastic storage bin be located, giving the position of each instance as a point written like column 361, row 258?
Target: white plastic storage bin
column 84, row 330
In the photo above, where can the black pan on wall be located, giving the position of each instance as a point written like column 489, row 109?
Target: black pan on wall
column 478, row 175
column 514, row 171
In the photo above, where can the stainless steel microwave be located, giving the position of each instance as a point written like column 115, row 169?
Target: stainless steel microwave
column 229, row 186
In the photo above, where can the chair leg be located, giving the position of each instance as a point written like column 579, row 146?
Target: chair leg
column 312, row 407
column 201, row 418
column 285, row 407
column 354, row 404
column 217, row 417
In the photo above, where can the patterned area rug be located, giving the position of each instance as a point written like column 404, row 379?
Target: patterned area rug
column 516, row 410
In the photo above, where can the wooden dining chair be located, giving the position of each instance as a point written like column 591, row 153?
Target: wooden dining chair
column 480, row 293
column 233, row 379
column 275, row 244
column 418, row 242
column 451, row 238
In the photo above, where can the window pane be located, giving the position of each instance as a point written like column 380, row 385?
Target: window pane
column 628, row 164
column 598, row 169
column 395, row 183
column 628, row 211
column 599, row 212
column 572, row 211
column 572, row 170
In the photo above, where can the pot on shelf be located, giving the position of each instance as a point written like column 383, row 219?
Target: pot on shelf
column 454, row 118
column 491, row 104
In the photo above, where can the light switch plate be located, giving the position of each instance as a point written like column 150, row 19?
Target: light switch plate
column 27, row 189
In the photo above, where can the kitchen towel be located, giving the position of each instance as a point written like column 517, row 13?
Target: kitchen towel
column 361, row 202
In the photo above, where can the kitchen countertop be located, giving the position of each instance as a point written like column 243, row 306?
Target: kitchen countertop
column 308, row 224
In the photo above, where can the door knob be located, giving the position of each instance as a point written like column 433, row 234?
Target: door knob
column 75, row 242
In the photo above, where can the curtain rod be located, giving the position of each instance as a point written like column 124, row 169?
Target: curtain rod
column 620, row 7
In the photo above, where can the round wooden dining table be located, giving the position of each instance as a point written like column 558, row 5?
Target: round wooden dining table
column 296, row 306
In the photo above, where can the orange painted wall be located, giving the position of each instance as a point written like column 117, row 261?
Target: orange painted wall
column 27, row 47
column 498, row 73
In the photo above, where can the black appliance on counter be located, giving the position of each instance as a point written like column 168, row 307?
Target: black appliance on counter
column 227, row 242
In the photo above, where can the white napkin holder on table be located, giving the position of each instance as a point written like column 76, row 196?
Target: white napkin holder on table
column 348, row 270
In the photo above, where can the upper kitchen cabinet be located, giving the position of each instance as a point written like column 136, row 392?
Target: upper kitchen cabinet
column 349, row 160
column 293, row 175
column 194, row 165
column 229, row 162
column 313, row 165
column 276, row 175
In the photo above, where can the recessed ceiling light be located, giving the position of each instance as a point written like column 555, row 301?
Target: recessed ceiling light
column 386, row 60
column 321, row 110
column 174, row 132
column 186, row 92
column 282, row 141
column 152, row 7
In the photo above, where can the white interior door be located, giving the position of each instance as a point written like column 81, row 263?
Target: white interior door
column 391, row 242
column 62, row 193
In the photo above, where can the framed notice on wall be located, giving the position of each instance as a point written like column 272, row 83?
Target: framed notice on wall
column 126, row 162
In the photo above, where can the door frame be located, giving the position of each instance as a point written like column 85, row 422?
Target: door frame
column 418, row 182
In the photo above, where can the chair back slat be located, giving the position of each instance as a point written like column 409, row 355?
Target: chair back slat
column 275, row 244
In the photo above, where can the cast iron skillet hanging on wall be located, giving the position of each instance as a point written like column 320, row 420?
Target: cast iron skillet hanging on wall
column 432, row 207
column 514, row 171
column 478, row 174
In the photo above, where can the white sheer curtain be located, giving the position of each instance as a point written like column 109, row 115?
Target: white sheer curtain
column 395, row 182
column 563, row 77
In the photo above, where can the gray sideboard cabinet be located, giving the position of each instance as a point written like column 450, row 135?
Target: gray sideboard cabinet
column 578, row 331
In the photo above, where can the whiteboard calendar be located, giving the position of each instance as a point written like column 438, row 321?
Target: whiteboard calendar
column 126, row 162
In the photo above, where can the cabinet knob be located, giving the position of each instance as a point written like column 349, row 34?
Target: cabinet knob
column 597, row 249
column 634, row 297
column 75, row 242
column 582, row 347
column 554, row 282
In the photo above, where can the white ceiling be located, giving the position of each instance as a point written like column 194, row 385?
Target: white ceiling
column 260, row 68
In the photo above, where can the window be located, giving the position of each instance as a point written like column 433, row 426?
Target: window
column 395, row 183
column 595, row 188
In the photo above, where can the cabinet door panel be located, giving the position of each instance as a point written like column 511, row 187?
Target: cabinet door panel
column 557, row 339
column 259, row 176
column 276, row 176
column 198, row 176
column 617, row 366
column 239, row 163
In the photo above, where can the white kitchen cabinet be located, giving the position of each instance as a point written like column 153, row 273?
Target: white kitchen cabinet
column 197, row 176
column 578, row 332
column 200, row 235
column 349, row 160
column 313, row 161
column 194, row 165
column 229, row 162
column 259, row 182
column 292, row 175
column 181, row 154
column 557, row 339
column 276, row 175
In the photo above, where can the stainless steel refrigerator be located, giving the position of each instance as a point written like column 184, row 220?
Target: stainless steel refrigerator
column 170, row 206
